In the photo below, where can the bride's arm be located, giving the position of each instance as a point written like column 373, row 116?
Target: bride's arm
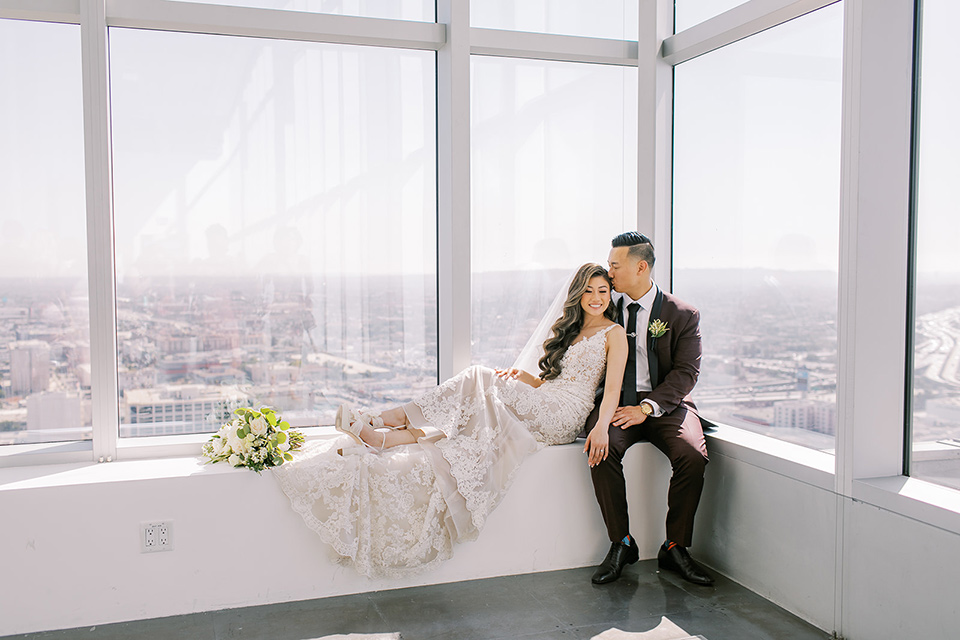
column 616, row 363
column 597, row 445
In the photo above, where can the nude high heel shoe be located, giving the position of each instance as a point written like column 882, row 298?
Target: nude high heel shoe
column 374, row 421
column 350, row 421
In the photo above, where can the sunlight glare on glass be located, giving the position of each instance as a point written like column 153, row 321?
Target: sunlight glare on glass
column 756, row 225
column 614, row 19
column 936, row 361
column 415, row 10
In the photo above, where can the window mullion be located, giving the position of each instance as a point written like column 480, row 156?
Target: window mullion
column 875, row 201
column 65, row 11
column 655, row 132
column 453, row 188
column 273, row 23
column 739, row 22
column 99, row 207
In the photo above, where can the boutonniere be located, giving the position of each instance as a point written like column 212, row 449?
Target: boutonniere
column 657, row 328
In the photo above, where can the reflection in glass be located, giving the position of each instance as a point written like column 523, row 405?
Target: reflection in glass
column 416, row 10
column 936, row 383
column 275, row 227
column 44, row 309
column 614, row 19
column 687, row 13
column 756, row 225
column 553, row 163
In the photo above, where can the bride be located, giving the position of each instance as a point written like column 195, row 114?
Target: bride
column 392, row 510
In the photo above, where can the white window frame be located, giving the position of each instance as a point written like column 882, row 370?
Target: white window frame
column 875, row 153
column 876, row 147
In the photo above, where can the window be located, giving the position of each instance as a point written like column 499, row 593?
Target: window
column 690, row 12
column 44, row 312
column 756, row 223
column 616, row 19
column 553, row 165
column 936, row 385
column 275, row 216
column 417, row 10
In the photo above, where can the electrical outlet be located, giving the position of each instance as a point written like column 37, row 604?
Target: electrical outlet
column 156, row 536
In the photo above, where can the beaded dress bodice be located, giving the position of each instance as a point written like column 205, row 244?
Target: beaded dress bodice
column 555, row 411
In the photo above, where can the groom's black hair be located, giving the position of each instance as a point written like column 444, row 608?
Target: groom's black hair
column 640, row 246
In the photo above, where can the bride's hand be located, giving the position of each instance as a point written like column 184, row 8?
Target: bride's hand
column 519, row 374
column 597, row 446
column 516, row 374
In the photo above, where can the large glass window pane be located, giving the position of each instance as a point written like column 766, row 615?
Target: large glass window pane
column 417, row 10
column 44, row 313
column 554, row 162
column 687, row 13
column 275, row 227
column 936, row 383
column 615, row 19
column 756, row 225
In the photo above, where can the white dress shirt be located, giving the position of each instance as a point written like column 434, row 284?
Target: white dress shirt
column 643, row 320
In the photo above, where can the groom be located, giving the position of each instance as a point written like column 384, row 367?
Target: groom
column 663, row 363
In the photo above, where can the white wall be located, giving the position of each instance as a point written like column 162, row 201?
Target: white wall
column 771, row 533
column 69, row 544
column 70, row 551
column 793, row 542
column 899, row 577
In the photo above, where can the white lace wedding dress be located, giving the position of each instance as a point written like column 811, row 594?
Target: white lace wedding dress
column 400, row 511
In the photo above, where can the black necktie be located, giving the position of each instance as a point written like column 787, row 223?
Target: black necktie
column 628, row 397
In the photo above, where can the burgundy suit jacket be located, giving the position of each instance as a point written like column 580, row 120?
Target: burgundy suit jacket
column 678, row 358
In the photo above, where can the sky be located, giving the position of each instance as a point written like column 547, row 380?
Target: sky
column 690, row 12
column 757, row 150
column 239, row 151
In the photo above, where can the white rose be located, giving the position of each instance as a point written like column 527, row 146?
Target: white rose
column 258, row 427
column 284, row 446
column 217, row 446
column 234, row 460
column 234, row 442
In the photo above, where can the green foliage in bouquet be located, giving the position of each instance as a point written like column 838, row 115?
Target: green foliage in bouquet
column 255, row 439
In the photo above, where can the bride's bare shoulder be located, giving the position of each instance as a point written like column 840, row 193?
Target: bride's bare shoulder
column 615, row 332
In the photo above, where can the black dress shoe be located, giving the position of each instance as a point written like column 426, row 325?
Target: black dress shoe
column 677, row 559
column 619, row 556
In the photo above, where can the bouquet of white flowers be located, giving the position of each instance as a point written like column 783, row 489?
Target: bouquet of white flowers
column 254, row 439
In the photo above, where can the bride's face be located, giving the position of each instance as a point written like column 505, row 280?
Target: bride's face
column 596, row 298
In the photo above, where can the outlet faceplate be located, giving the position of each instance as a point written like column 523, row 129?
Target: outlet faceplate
column 156, row 536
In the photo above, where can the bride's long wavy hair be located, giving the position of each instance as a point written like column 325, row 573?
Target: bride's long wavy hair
column 567, row 328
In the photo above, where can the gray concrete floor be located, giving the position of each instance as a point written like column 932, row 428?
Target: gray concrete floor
column 556, row 604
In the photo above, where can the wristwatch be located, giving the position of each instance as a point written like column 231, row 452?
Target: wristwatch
column 646, row 408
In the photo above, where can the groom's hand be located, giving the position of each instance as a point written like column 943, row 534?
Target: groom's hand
column 625, row 417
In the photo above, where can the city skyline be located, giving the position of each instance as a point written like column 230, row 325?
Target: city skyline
column 188, row 348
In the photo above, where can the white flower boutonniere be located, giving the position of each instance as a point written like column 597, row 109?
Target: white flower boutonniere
column 657, row 328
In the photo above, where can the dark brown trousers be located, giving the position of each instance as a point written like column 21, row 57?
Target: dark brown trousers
column 679, row 435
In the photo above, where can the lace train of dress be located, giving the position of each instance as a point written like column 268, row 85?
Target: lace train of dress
column 400, row 511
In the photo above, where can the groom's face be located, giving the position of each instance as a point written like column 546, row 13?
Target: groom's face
column 623, row 269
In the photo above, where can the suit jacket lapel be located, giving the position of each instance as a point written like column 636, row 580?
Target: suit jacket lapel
column 652, row 359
